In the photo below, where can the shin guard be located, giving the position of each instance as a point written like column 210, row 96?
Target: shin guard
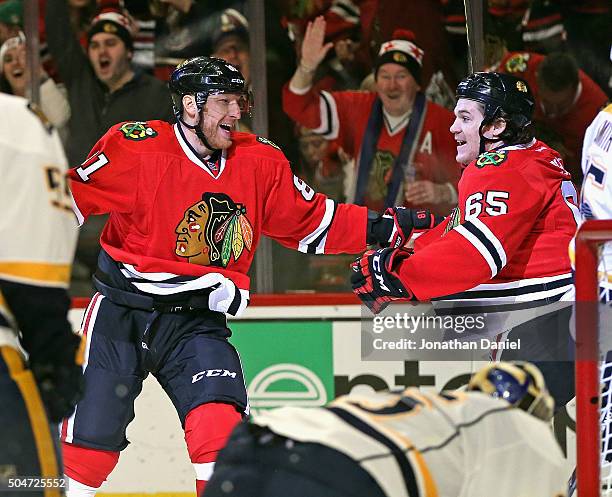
column 207, row 428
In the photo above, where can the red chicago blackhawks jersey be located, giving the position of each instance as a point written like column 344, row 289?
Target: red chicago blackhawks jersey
column 178, row 223
column 343, row 116
column 507, row 241
column 571, row 126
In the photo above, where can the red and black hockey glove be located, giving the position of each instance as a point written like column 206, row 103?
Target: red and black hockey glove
column 407, row 222
column 397, row 224
column 374, row 280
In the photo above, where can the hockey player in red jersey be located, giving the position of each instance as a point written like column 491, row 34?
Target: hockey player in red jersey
column 504, row 248
column 188, row 205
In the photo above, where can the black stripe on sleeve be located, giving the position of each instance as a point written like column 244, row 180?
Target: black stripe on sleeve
column 510, row 292
column 235, row 305
column 328, row 116
column 468, row 225
column 312, row 247
column 347, row 10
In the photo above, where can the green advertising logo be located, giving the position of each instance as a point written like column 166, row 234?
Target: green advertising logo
column 302, row 387
column 286, row 363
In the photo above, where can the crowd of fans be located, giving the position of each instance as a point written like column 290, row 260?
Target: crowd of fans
column 106, row 61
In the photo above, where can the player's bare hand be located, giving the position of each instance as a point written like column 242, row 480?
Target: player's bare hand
column 424, row 192
column 314, row 48
column 343, row 156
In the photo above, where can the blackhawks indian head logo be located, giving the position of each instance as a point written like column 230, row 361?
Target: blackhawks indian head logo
column 213, row 230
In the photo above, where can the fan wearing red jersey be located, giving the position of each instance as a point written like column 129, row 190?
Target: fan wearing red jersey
column 504, row 247
column 188, row 205
column 566, row 100
column 399, row 140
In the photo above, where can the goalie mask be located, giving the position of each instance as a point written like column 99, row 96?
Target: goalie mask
column 204, row 76
column 503, row 96
column 519, row 383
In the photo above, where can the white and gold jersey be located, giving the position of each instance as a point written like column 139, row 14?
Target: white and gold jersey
column 38, row 230
column 416, row 444
column 596, row 198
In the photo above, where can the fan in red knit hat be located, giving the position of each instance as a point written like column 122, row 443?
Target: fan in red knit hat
column 402, row 50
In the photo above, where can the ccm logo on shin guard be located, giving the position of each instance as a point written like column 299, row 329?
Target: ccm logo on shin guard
column 212, row 372
column 377, row 272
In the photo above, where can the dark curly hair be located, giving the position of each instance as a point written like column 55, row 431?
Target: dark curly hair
column 515, row 134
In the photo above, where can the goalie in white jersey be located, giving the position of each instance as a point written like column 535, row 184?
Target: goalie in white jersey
column 492, row 440
column 38, row 233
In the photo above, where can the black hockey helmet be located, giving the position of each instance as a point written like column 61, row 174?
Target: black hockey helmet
column 204, row 76
column 498, row 91
column 519, row 383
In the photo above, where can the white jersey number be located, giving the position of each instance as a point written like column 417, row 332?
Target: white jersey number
column 85, row 172
column 301, row 186
column 568, row 190
column 495, row 204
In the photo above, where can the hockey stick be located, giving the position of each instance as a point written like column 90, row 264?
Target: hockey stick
column 475, row 34
column 30, row 11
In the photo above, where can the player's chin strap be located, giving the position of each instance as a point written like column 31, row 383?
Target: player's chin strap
column 483, row 139
column 199, row 133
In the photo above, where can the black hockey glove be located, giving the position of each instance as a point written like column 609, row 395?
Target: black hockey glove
column 397, row 225
column 60, row 380
column 374, row 281
column 46, row 335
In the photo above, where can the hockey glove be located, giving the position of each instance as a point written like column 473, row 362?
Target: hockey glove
column 374, row 280
column 60, row 380
column 398, row 224
column 407, row 222
column 46, row 335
